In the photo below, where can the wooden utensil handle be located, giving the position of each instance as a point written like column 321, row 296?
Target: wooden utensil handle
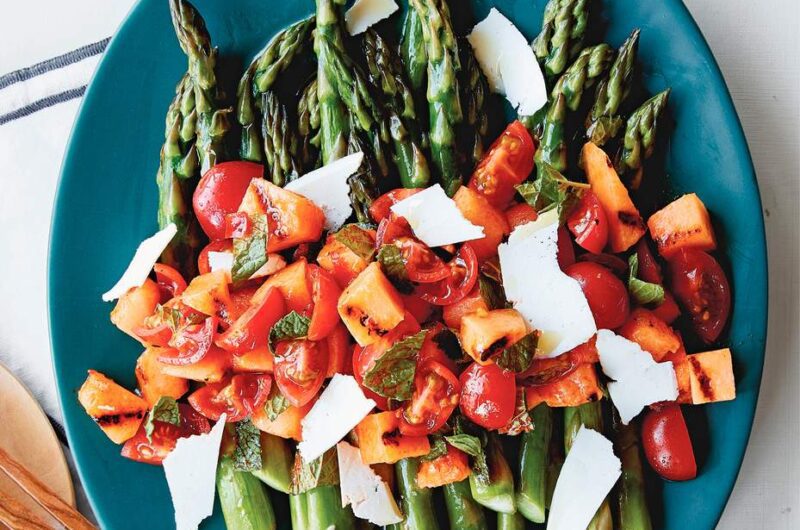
column 63, row 512
column 16, row 516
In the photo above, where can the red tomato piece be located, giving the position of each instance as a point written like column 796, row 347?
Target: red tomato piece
column 191, row 343
column 325, row 294
column 422, row 264
column 164, row 437
column 589, row 224
column 170, row 281
column 300, row 369
column 237, row 397
column 381, row 207
column 222, row 245
column 220, row 192
column 649, row 270
column 419, row 308
column 566, row 253
column 488, row 395
column 606, row 294
column 668, row 311
column 436, row 393
column 251, row 330
column 520, row 214
column 507, row 163
column 463, row 275
column 702, row 288
column 667, row 444
column 432, row 346
column 390, row 228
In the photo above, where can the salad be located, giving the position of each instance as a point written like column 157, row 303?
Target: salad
column 368, row 292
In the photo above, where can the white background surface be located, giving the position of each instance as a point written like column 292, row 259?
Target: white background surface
column 757, row 46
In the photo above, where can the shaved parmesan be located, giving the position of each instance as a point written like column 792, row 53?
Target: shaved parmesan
column 509, row 63
column 142, row 263
column 365, row 13
column 327, row 188
column 368, row 494
column 435, row 218
column 340, row 407
column 191, row 470
column 639, row 381
column 220, row 261
column 550, row 301
column 589, row 472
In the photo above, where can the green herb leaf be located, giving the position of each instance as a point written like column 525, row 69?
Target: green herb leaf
column 474, row 447
column 247, row 454
column 492, row 293
column 173, row 317
column 391, row 260
column 438, row 448
column 250, row 253
column 356, row 239
column 392, row 374
column 521, row 422
column 292, row 326
column 518, row 357
column 276, row 403
column 641, row 291
column 165, row 410
column 322, row 471
column 551, row 190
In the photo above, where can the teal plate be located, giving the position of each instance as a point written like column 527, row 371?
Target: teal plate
column 107, row 200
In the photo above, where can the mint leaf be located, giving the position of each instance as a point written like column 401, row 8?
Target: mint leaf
column 474, row 447
column 173, row 317
column 322, row 471
column 247, row 454
column 491, row 292
column 292, row 326
column 356, row 239
column 521, row 422
column 392, row 374
column 438, row 448
column 551, row 190
column 641, row 291
column 165, row 410
column 276, row 403
column 391, row 260
column 250, row 253
column 518, row 357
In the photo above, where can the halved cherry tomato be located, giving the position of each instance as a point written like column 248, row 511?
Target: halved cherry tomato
column 508, row 162
column 434, row 344
column 390, row 228
column 222, row 245
column 325, row 293
column 589, row 223
column 300, row 369
column 237, row 397
column 419, row 308
column 191, row 343
column 488, row 395
column 606, row 294
column 668, row 311
column 566, row 253
column 251, row 330
column 358, row 360
column 463, row 275
column 609, row 261
column 422, row 265
column 520, row 214
column 649, row 269
column 667, row 444
column 703, row 290
column 340, row 352
column 170, row 281
column 436, row 393
column 220, row 192
column 164, row 437
column 380, row 208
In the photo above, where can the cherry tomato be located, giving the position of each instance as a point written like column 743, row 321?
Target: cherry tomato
column 192, row 421
column 237, row 397
column 340, row 351
column 222, row 245
column 566, row 253
column 220, row 192
column 667, row 444
column 300, row 369
column 381, row 207
column 325, row 293
column 419, row 308
column 463, row 275
column 702, row 288
column 508, row 162
column 520, row 214
column 390, row 228
column 589, row 224
column 359, row 359
column 434, row 345
column 649, row 270
column 164, row 437
column 191, row 343
column 436, row 393
column 668, row 311
column 251, row 330
column 422, row 264
column 170, row 281
column 606, row 294
column 488, row 395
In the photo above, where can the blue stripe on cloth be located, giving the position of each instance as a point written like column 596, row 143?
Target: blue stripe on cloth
column 68, row 58
column 43, row 103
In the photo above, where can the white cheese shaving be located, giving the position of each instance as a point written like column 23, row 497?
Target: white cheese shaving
column 508, row 62
column 327, row 188
column 368, row 494
column 220, row 261
column 550, row 301
column 142, row 263
column 589, row 472
column 340, row 407
column 639, row 381
column 191, row 470
column 435, row 218
column 365, row 13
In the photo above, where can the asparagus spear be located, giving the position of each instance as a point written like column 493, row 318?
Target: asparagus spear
column 552, row 145
column 325, row 510
column 510, row 521
column 212, row 122
column 298, row 510
column 259, row 78
column 462, row 510
column 308, row 125
column 498, row 492
column 417, row 503
column 590, row 64
column 334, row 122
column 276, row 463
column 244, row 501
column 640, row 136
column 444, row 104
column 603, row 122
column 281, row 144
column 412, row 49
column 386, row 75
column 561, row 38
column 364, row 182
column 533, row 462
column 633, row 512
column 474, row 92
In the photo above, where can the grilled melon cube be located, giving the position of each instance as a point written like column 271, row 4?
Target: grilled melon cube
column 651, row 333
column 293, row 284
column 286, row 425
column 453, row 466
column 209, row 294
column 380, row 441
column 154, row 382
column 344, row 264
column 370, row 306
column 210, row 369
column 579, row 387
column 117, row 411
column 486, row 333
column 135, row 306
column 711, row 376
column 683, row 223
column 259, row 360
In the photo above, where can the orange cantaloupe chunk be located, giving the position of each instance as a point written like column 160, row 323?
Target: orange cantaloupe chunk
column 453, row 466
column 370, row 306
column 486, row 333
column 117, row 410
column 651, row 333
column 579, row 387
column 683, row 223
column 711, row 376
column 477, row 210
column 288, row 424
column 154, row 382
column 380, row 440
column 135, row 306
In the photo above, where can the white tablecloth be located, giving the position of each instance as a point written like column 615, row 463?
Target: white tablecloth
column 758, row 49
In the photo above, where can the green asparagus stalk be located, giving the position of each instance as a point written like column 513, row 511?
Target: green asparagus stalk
column 603, row 122
column 510, row 521
column 276, row 463
column 633, row 512
column 462, row 510
column 325, row 510
column 552, row 145
column 212, row 122
column 259, row 78
column 413, row 51
column 588, row 67
column 281, row 143
column 364, row 182
column 417, row 503
column 498, row 492
column 561, row 38
column 308, row 125
column 244, row 501
column 474, row 93
column 640, row 136
column 298, row 510
column 533, row 462
column 386, row 75
column 444, row 104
